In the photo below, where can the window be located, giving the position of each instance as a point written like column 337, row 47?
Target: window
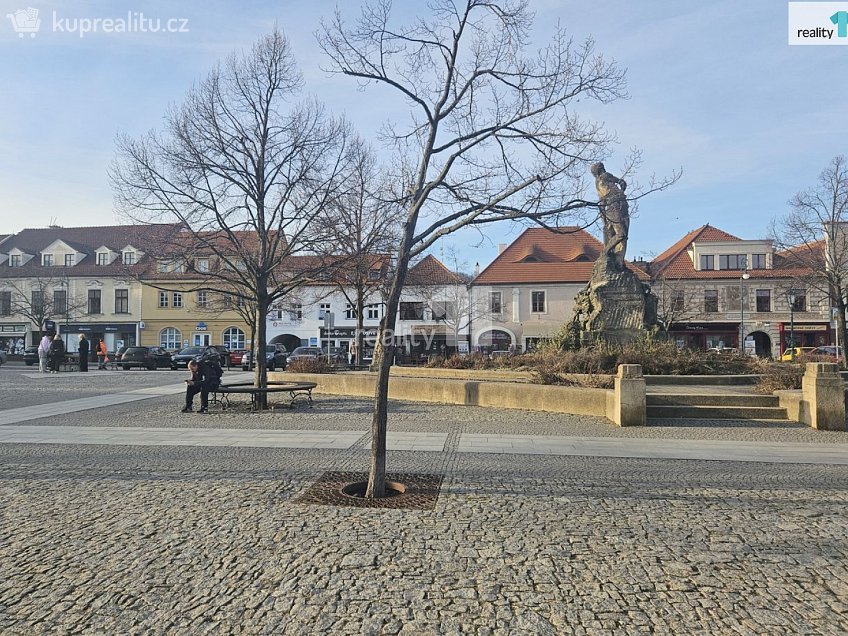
column 323, row 308
column 373, row 274
column 495, row 302
column 537, row 302
column 163, row 300
column 60, row 301
column 710, row 300
column 102, row 258
column 37, row 301
column 799, row 298
column 707, row 261
column 763, row 300
column 240, row 301
column 202, row 301
column 444, row 310
column 758, row 261
column 5, row 303
column 122, row 301
column 94, row 301
column 201, row 265
column 373, row 312
column 732, row 261
column 162, row 267
column 177, row 299
column 733, row 298
column 14, row 260
column 233, row 338
column 170, row 338
column 412, row 311
column 350, row 312
column 47, row 260
column 70, row 260
column 129, row 258
column 678, row 300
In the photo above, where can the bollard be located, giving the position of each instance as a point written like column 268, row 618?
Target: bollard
column 629, row 405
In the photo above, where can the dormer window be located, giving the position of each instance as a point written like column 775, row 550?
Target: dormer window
column 70, row 260
column 47, row 260
column 129, row 258
column 14, row 260
column 102, row 258
column 201, row 265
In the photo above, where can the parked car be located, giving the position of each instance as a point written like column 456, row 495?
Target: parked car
column 2, row 357
column 180, row 360
column 337, row 354
column 31, row 355
column 236, row 356
column 306, row 353
column 787, row 355
column 119, row 353
column 147, row 358
column 833, row 353
column 276, row 357
column 224, row 353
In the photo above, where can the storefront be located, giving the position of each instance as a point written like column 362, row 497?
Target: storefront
column 13, row 338
column 805, row 334
column 344, row 336
column 705, row 335
column 114, row 334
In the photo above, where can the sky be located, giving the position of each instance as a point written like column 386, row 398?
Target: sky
column 714, row 91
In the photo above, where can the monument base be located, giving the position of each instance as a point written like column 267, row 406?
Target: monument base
column 615, row 307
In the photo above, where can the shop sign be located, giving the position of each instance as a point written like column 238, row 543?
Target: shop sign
column 13, row 328
column 201, row 326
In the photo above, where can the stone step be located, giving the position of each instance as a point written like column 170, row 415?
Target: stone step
column 689, row 380
column 718, row 412
column 715, row 399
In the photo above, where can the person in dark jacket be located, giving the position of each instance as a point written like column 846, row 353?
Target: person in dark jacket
column 83, row 353
column 205, row 377
column 56, row 353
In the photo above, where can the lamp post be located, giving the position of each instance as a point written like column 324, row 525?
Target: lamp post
column 742, row 278
column 790, row 296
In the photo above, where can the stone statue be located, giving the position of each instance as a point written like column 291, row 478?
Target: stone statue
column 614, row 212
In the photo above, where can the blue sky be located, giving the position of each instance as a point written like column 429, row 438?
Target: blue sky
column 714, row 90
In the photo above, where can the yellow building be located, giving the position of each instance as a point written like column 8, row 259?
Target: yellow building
column 174, row 317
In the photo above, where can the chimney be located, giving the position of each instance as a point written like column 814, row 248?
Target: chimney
column 501, row 247
column 476, row 269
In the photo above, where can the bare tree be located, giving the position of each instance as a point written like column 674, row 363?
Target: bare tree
column 813, row 238
column 359, row 231
column 245, row 169
column 494, row 134
column 676, row 302
column 37, row 300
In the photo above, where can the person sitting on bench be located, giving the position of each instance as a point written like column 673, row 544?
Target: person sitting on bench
column 205, row 377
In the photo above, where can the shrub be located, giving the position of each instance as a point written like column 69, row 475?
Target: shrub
column 546, row 376
column 777, row 377
column 310, row 365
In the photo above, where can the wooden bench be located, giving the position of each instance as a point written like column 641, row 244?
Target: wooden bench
column 296, row 390
column 69, row 363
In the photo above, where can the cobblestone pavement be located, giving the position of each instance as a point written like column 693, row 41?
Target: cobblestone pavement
column 197, row 540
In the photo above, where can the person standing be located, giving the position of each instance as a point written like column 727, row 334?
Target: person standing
column 83, row 353
column 102, row 355
column 43, row 350
column 56, row 353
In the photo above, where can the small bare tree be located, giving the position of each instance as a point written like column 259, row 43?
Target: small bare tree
column 676, row 302
column 359, row 230
column 494, row 133
column 813, row 238
column 246, row 170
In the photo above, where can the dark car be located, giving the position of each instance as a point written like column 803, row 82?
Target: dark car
column 276, row 356
column 337, row 354
column 119, row 353
column 31, row 355
column 146, row 358
column 180, row 360
column 224, row 353
column 306, row 353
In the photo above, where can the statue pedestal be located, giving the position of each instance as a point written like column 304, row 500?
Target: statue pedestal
column 616, row 306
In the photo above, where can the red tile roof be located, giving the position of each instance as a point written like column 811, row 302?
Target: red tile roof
column 675, row 261
column 540, row 255
column 431, row 271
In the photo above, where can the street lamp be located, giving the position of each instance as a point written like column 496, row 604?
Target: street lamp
column 742, row 278
column 790, row 296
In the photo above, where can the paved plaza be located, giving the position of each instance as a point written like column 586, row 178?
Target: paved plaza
column 122, row 516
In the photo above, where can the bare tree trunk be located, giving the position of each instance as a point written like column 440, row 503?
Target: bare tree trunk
column 260, row 374
column 841, row 327
column 357, row 336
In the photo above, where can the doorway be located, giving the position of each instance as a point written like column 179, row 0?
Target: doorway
column 201, row 339
column 762, row 344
